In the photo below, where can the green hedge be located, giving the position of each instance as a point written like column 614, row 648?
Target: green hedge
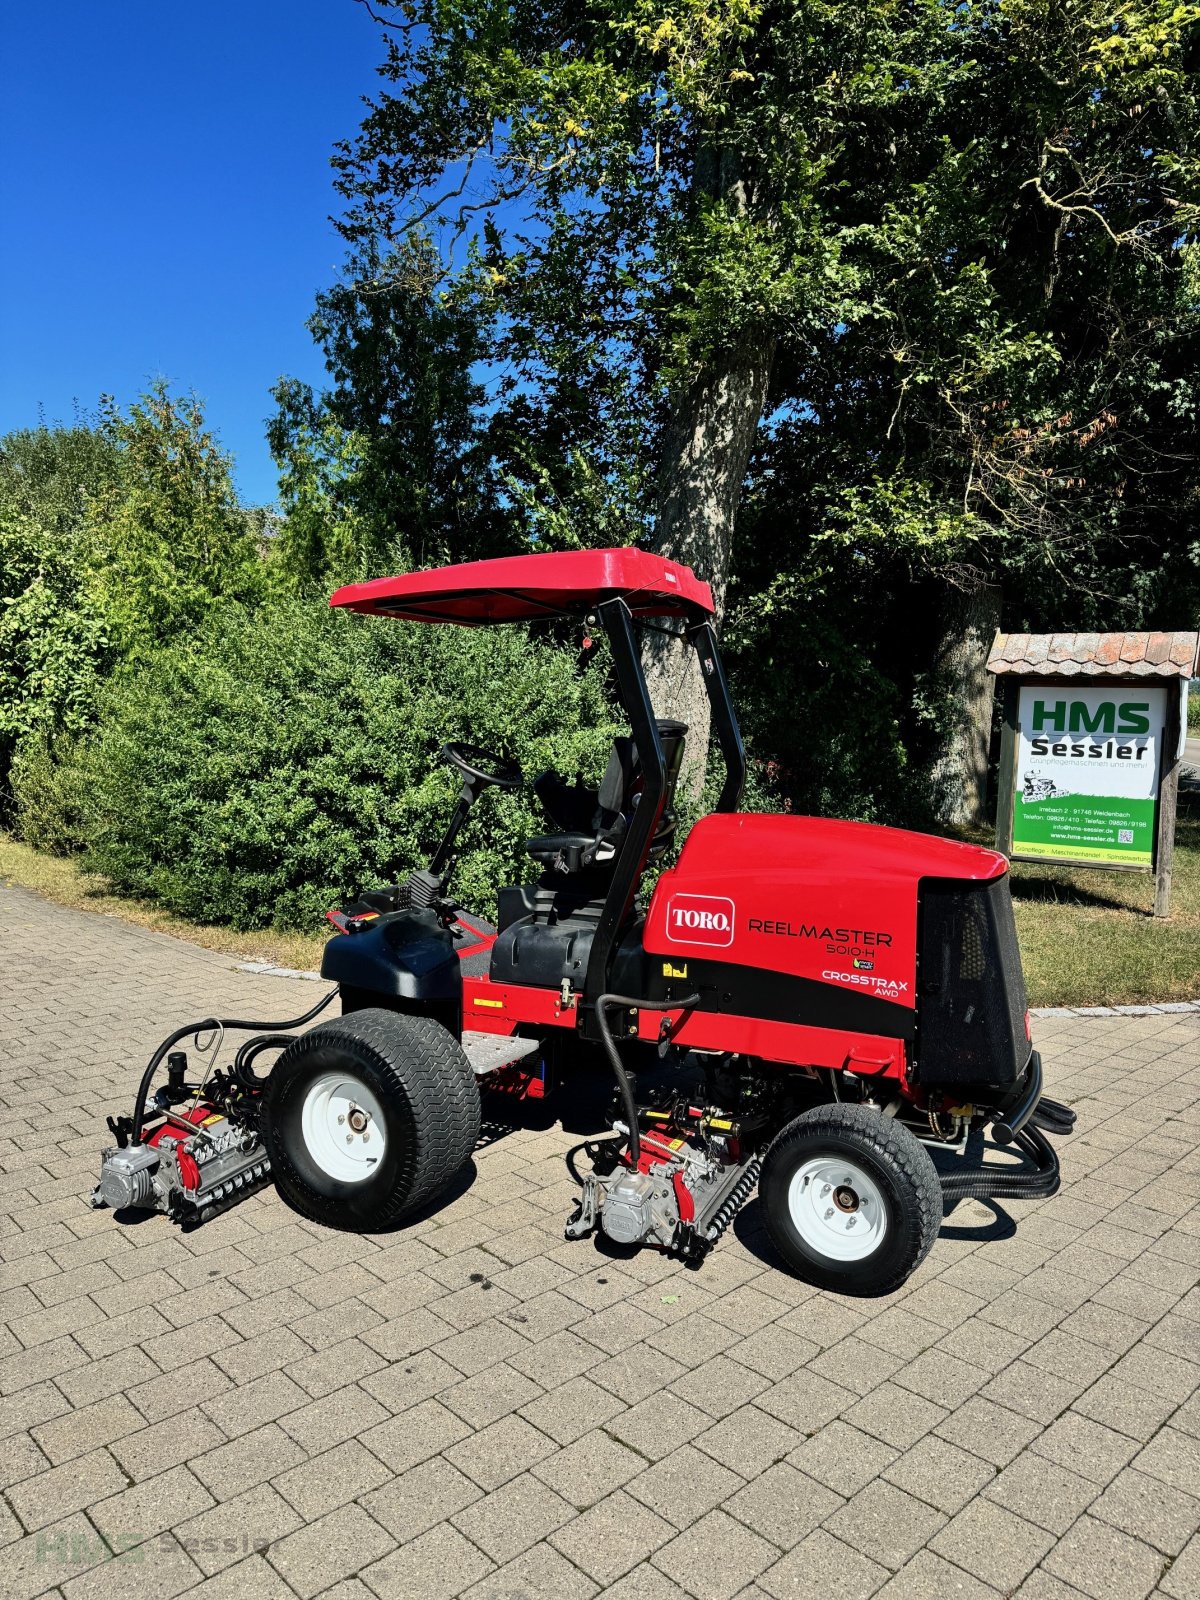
column 282, row 760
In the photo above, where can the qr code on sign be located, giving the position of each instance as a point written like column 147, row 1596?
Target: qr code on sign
column 1124, row 835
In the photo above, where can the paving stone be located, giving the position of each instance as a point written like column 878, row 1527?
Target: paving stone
column 151, row 1506
column 775, row 1352
column 65, row 1437
column 594, row 1466
column 611, row 1537
column 570, row 1411
column 499, row 1452
column 437, row 1565
column 656, row 1426
column 389, row 1414
column 420, row 1498
column 508, row 1521
column 1086, row 1447
column 783, row 1504
column 242, row 1463
column 992, row 1544
column 842, row 1457
column 539, row 1574
column 637, row 1373
column 336, row 1546
column 715, row 1558
column 748, row 1441
column 806, row 1401
column 237, row 1528
column 1172, row 1456
column 1150, row 1510
column 940, row 1473
column 30, row 1407
column 823, row 1566
column 929, row 1577
column 251, row 1579
column 1182, row 1579
column 415, row 1435
column 327, row 1481
column 720, row 1386
column 53, row 1495
column 885, row 1523
column 1126, row 1407
column 1043, row 1492
column 1105, row 1563
column 895, row 1415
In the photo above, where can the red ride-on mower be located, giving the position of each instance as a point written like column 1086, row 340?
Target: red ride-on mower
column 820, row 1006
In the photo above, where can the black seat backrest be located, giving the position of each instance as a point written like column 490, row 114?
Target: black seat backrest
column 615, row 794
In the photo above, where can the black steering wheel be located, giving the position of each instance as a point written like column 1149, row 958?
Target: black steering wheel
column 482, row 766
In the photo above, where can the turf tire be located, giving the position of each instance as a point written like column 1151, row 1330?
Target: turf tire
column 429, row 1097
column 892, row 1158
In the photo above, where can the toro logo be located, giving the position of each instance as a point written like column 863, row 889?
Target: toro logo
column 700, row 919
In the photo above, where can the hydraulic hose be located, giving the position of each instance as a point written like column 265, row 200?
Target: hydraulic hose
column 624, row 1087
column 230, row 1025
column 996, row 1183
column 242, row 1070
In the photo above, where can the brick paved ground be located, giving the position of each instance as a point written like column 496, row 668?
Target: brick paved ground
column 470, row 1406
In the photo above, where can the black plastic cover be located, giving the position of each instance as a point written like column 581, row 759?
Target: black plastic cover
column 971, row 1010
column 405, row 955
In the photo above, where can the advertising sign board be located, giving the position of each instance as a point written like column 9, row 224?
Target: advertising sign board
column 1087, row 774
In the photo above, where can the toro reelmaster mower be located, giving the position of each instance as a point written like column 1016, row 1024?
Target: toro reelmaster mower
column 814, row 1007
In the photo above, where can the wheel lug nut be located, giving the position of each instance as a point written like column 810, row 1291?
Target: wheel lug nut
column 825, row 1189
column 829, row 1213
column 341, row 1119
column 349, row 1138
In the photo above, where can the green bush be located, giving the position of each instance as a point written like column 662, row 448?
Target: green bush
column 285, row 759
column 52, row 640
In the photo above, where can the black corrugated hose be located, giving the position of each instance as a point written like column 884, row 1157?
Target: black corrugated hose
column 997, row 1183
column 230, row 1025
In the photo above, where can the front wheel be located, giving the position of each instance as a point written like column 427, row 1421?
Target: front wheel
column 368, row 1118
column 851, row 1199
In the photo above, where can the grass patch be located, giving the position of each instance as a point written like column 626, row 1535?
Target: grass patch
column 1089, row 938
column 63, row 882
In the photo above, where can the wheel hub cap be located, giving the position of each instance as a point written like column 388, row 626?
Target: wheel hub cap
column 837, row 1208
column 343, row 1127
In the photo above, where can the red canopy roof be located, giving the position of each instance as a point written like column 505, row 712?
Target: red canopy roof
column 523, row 588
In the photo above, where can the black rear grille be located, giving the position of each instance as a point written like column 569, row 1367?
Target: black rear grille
column 971, row 1013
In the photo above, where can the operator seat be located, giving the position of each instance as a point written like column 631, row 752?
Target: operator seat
column 545, row 929
column 593, row 821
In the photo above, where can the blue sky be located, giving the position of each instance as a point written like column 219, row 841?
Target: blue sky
column 164, row 195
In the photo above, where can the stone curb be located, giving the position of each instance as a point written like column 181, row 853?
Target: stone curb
column 1166, row 1008
column 264, row 969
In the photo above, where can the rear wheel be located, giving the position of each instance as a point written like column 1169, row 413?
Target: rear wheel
column 851, row 1199
column 368, row 1118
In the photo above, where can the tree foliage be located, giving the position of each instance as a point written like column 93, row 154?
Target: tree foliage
column 277, row 761
column 116, row 533
column 960, row 238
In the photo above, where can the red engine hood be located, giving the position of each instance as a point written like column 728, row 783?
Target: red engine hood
column 831, row 901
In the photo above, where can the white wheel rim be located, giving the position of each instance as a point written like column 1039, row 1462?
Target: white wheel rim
column 837, row 1209
column 342, row 1124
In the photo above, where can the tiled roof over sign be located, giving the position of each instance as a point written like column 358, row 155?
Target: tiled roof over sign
column 1096, row 655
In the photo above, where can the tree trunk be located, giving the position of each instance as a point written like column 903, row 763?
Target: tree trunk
column 705, row 456
column 959, row 778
